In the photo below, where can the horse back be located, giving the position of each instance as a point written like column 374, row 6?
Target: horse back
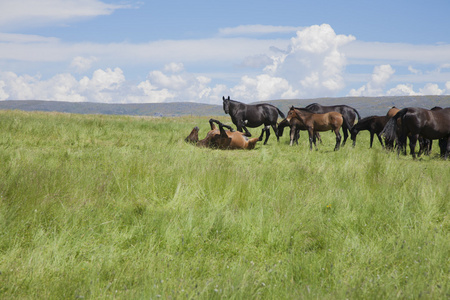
column 431, row 124
column 327, row 121
column 259, row 114
column 346, row 111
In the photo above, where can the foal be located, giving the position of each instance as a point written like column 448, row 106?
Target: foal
column 318, row 122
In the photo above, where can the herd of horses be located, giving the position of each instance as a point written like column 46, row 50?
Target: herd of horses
column 416, row 124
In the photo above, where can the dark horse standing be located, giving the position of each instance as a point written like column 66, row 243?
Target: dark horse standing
column 415, row 122
column 347, row 112
column 248, row 115
column 374, row 124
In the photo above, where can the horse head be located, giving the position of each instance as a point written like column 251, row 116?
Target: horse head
column 291, row 113
column 226, row 104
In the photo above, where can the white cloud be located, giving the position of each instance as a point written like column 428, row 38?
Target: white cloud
column 104, row 86
column 25, row 38
column 19, row 13
column 414, row 71
column 174, row 67
column 360, row 52
column 313, row 63
column 431, row 89
column 81, row 64
column 447, row 87
column 262, row 87
column 257, row 30
column 153, row 94
column 402, row 90
column 3, row 94
column 375, row 87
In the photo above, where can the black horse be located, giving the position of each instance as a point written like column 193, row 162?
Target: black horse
column 374, row 124
column 425, row 145
column 415, row 122
column 252, row 115
column 348, row 113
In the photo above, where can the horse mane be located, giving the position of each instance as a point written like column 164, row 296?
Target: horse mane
column 312, row 104
column 367, row 118
column 304, row 109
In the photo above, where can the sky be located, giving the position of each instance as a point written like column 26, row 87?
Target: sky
column 199, row 51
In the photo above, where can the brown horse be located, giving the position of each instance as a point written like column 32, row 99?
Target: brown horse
column 392, row 112
column 296, row 125
column 318, row 122
column 221, row 138
column 430, row 124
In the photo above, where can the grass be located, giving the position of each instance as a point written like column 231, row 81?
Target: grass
column 95, row 206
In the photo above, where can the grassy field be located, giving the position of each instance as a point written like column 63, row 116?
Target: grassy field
column 95, row 206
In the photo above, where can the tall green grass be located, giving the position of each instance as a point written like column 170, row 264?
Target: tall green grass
column 95, row 206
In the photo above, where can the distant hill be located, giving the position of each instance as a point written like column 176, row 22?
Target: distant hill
column 365, row 105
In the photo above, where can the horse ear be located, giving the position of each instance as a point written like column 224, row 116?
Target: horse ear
column 228, row 97
column 223, row 98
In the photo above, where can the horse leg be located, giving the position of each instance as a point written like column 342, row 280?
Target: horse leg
column 240, row 126
column 345, row 131
column 412, row 144
column 338, row 140
column 381, row 141
column 401, row 144
column 445, row 147
column 211, row 123
column 247, row 133
column 267, row 129
column 429, row 146
column 275, row 129
column 292, row 135
column 371, row 139
column 261, row 136
column 311, row 138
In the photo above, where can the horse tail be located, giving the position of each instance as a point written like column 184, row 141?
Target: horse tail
column 280, row 113
column 357, row 113
column 346, row 123
column 390, row 129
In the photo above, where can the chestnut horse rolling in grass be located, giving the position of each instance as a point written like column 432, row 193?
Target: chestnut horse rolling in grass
column 318, row 122
column 221, row 138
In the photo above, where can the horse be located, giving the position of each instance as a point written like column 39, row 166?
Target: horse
column 221, row 139
column 392, row 112
column 425, row 145
column 374, row 124
column 296, row 125
column 390, row 143
column 349, row 113
column 318, row 122
column 253, row 115
column 415, row 122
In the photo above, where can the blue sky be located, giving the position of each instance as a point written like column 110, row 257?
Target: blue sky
column 165, row 51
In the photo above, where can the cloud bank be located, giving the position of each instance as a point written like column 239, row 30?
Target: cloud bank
column 313, row 63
